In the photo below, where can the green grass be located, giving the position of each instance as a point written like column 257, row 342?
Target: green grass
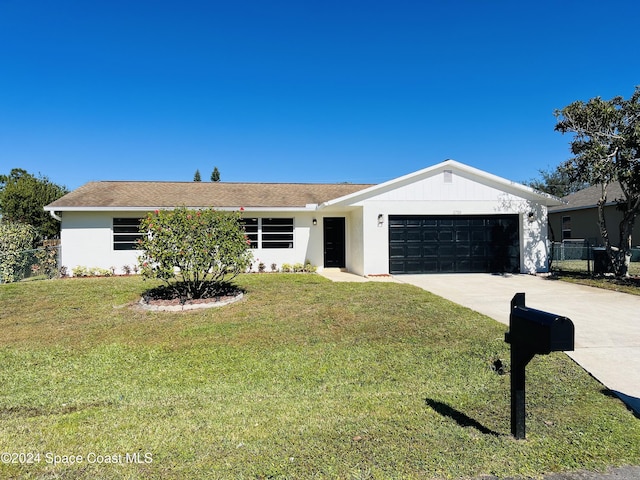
column 303, row 379
column 575, row 271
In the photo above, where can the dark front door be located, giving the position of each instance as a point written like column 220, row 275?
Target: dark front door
column 334, row 242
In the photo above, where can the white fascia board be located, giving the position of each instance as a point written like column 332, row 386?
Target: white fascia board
column 523, row 190
column 98, row 209
column 148, row 209
column 568, row 208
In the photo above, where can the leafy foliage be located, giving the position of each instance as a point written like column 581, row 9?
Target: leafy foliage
column 606, row 149
column 193, row 251
column 196, row 176
column 215, row 175
column 15, row 239
column 47, row 262
column 556, row 182
column 22, row 198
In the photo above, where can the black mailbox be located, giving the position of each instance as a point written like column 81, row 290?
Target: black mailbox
column 531, row 332
column 540, row 332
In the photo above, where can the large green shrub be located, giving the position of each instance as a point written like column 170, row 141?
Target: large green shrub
column 15, row 239
column 193, row 251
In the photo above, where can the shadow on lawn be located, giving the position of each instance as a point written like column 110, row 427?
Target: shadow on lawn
column 632, row 403
column 460, row 418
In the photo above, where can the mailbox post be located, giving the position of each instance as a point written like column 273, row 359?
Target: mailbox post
column 531, row 332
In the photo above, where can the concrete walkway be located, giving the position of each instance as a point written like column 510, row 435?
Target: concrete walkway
column 607, row 324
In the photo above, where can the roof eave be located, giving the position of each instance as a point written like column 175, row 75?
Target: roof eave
column 544, row 198
column 50, row 208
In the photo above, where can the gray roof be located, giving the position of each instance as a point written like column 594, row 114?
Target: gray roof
column 588, row 198
column 112, row 194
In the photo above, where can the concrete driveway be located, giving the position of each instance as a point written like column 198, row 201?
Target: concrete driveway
column 607, row 324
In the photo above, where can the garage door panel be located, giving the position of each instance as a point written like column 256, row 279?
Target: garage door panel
column 430, row 236
column 463, row 265
column 414, row 235
column 397, row 235
column 462, row 235
column 447, row 265
column 430, row 250
column 446, row 235
column 446, row 250
column 477, row 235
column 440, row 244
column 414, row 266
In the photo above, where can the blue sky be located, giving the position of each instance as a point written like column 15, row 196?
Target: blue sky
column 301, row 91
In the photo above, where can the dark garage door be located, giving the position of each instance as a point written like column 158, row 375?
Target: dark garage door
column 454, row 244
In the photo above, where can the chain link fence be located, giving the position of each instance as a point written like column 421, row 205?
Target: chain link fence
column 578, row 256
column 39, row 263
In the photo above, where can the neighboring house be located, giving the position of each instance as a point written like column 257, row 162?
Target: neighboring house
column 446, row 218
column 577, row 217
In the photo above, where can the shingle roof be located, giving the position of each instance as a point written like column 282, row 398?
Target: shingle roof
column 201, row 194
column 588, row 197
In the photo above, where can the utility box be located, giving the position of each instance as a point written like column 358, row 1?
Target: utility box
column 601, row 263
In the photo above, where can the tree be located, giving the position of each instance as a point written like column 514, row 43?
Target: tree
column 196, row 176
column 23, row 197
column 606, row 149
column 215, row 175
column 556, row 182
column 195, row 252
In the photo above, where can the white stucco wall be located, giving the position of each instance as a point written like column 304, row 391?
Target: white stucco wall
column 463, row 196
column 355, row 242
column 87, row 240
column 307, row 241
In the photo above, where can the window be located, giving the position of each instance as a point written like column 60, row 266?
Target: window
column 566, row 228
column 126, row 233
column 251, row 230
column 269, row 232
column 277, row 233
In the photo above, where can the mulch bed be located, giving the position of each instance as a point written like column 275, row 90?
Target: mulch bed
column 173, row 299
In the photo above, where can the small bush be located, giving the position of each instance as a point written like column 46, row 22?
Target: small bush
column 274, row 267
column 286, row 268
column 298, row 267
column 80, row 271
column 193, row 250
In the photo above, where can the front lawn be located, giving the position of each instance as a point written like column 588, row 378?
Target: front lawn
column 303, row 379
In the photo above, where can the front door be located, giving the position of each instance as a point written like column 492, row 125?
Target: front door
column 334, row 242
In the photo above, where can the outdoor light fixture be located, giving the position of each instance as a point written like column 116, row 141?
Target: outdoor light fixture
column 315, row 222
column 380, row 219
column 531, row 217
